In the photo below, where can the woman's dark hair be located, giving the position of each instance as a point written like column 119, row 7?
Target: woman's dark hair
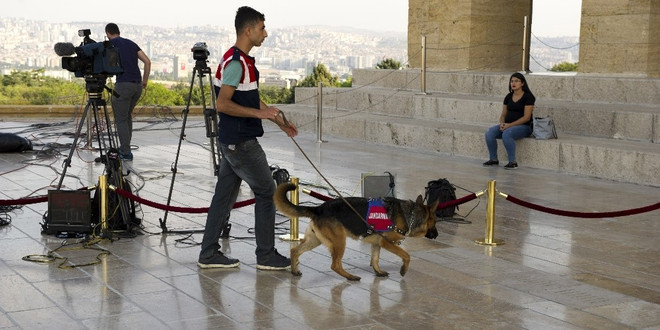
column 520, row 76
column 247, row 16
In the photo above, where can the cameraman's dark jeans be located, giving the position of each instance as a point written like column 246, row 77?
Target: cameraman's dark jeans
column 122, row 106
column 246, row 162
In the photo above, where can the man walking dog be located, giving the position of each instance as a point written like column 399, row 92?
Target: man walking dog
column 240, row 114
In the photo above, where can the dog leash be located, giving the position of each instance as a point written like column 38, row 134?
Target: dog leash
column 371, row 228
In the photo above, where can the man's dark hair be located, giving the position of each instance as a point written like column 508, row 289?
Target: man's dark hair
column 112, row 28
column 247, row 16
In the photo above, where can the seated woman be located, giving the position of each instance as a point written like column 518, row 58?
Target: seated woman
column 515, row 121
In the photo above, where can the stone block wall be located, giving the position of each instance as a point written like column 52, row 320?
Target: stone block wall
column 620, row 36
column 616, row 36
column 467, row 35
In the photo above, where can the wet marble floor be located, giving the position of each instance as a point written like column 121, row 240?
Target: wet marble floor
column 552, row 272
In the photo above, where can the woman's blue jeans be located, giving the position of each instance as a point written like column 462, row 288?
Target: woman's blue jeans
column 509, row 137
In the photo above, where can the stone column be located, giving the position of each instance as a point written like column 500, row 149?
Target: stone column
column 620, row 37
column 468, row 35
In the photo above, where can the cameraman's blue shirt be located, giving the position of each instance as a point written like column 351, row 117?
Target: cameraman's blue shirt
column 128, row 50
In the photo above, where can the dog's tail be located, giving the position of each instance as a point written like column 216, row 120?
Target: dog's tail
column 285, row 206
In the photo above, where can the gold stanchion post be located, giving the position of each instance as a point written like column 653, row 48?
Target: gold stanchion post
column 295, row 197
column 490, row 218
column 103, row 187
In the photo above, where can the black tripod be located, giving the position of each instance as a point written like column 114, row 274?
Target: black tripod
column 211, row 122
column 94, row 85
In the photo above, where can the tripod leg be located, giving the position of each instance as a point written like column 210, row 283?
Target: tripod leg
column 112, row 137
column 212, row 128
column 226, row 226
column 211, row 122
column 67, row 161
column 99, row 138
column 215, row 147
column 163, row 221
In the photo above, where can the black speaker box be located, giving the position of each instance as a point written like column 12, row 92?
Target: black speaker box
column 69, row 211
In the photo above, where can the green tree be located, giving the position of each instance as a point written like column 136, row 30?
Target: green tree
column 27, row 78
column 565, row 67
column 158, row 94
column 183, row 90
column 276, row 95
column 348, row 82
column 32, row 87
column 322, row 75
column 389, row 63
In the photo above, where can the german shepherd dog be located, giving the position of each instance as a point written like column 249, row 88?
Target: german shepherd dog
column 332, row 221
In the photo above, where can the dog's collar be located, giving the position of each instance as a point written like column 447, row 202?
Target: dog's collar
column 413, row 221
column 408, row 227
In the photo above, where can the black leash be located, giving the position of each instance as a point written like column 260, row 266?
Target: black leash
column 370, row 227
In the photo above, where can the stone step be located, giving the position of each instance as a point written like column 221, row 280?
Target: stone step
column 639, row 122
column 582, row 88
column 619, row 160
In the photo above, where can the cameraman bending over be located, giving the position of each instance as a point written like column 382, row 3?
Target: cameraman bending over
column 128, row 85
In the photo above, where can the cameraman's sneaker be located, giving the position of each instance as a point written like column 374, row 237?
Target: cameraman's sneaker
column 218, row 260
column 273, row 261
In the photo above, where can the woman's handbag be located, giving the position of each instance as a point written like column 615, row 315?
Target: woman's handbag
column 544, row 128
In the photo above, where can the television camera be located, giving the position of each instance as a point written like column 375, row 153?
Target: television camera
column 93, row 58
column 200, row 51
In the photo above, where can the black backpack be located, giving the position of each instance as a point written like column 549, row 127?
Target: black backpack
column 443, row 190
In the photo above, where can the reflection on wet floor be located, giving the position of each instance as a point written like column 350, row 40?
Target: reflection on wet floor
column 552, row 271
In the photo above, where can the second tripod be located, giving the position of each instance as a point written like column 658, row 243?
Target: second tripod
column 201, row 70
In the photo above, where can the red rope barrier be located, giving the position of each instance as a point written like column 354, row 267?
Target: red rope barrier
column 464, row 199
column 319, row 196
column 458, row 201
column 141, row 200
column 590, row 215
column 442, row 205
column 41, row 199
column 23, row 201
column 28, row 200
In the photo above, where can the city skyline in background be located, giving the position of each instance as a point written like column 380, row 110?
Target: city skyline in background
column 340, row 39
column 551, row 18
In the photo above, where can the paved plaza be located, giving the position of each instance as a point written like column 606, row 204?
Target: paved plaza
column 552, row 272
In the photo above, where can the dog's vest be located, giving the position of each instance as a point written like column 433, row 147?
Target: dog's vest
column 377, row 218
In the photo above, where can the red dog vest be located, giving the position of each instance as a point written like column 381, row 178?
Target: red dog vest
column 377, row 217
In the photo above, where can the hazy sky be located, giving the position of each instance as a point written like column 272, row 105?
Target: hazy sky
column 551, row 17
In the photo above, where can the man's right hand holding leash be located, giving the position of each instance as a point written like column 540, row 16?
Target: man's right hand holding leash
column 277, row 116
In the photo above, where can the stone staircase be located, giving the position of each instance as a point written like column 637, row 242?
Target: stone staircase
column 608, row 127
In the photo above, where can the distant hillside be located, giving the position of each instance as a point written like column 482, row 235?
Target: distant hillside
column 28, row 44
column 547, row 51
